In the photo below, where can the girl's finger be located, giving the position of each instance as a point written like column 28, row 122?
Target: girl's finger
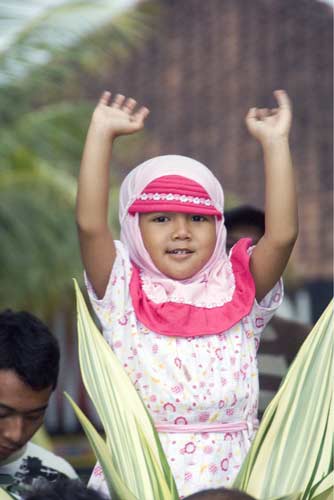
column 129, row 105
column 141, row 114
column 262, row 113
column 251, row 115
column 282, row 99
column 105, row 97
column 118, row 101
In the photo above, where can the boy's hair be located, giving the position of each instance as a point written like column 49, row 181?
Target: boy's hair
column 219, row 494
column 29, row 349
column 245, row 215
column 63, row 489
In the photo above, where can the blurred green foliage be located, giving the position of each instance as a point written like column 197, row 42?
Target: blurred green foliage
column 44, row 114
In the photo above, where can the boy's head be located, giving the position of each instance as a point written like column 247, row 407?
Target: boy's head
column 29, row 365
column 242, row 222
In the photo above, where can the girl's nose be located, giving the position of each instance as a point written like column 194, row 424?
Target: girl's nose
column 181, row 228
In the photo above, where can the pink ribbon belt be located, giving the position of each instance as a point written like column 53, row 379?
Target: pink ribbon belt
column 207, row 427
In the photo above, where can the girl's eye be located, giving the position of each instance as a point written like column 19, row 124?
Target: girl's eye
column 199, row 218
column 161, row 218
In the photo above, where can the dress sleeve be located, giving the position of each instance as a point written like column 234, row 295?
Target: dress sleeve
column 263, row 311
column 116, row 301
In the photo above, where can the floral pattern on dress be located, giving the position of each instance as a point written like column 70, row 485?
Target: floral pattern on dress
column 196, row 380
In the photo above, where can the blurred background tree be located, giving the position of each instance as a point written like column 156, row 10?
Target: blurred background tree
column 47, row 51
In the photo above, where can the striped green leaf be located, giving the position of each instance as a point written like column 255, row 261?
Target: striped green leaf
column 324, row 490
column 117, row 488
column 132, row 440
column 4, row 495
column 293, row 448
column 292, row 496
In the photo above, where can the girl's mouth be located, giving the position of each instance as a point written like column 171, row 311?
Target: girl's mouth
column 180, row 251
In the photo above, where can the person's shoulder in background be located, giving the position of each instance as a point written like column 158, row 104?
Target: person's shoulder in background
column 291, row 335
column 31, row 465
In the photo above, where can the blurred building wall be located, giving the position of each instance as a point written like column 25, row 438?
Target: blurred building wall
column 207, row 63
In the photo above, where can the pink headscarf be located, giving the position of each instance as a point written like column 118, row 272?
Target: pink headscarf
column 210, row 288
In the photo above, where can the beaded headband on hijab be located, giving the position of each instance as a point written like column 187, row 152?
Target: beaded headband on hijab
column 174, row 193
column 170, row 166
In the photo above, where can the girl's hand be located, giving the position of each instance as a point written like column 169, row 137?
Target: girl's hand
column 269, row 125
column 118, row 117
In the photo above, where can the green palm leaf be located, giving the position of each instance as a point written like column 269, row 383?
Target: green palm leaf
column 118, row 489
column 45, row 49
column 293, row 448
column 35, row 33
column 291, row 456
column 37, row 198
column 324, row 489
column 136, row 452
column 37, row 232
column 4, row 495
column 52, row 133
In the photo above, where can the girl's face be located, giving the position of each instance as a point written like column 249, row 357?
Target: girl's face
column 179, row 244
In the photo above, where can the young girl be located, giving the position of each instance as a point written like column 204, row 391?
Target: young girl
column 183, row 317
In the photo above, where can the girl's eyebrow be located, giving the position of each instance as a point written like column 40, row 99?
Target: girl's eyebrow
column 160, row 213
column 154, row 215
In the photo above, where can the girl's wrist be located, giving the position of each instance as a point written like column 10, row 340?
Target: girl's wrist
column 101, row 133
column 275, row 142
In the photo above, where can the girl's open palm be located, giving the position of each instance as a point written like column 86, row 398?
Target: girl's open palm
column 270, row 124
column 119, row 116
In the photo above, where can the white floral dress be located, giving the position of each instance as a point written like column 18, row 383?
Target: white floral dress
column 197, row 380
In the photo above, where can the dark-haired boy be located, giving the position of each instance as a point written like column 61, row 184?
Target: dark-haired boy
column 29, row 366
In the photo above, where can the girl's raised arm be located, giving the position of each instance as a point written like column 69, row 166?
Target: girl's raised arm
column 271, row 254
column 96, row 242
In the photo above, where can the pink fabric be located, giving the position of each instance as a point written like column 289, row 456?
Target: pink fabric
column 214, row 282
column 136, row 181
column 205, row 427
column 174, row 193
column 184, row 320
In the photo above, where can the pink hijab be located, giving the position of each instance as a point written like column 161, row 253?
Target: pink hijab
column 209, row 301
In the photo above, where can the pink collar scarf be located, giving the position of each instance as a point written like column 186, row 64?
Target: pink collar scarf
column 211, row 301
